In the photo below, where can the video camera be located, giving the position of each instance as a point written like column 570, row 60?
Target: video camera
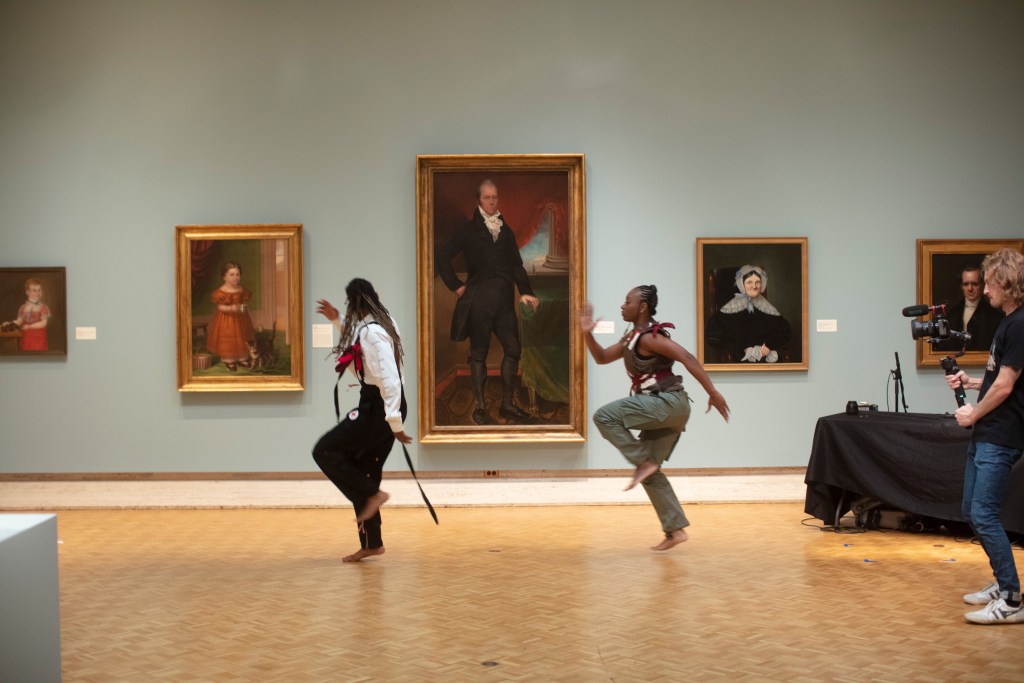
column 935, row 330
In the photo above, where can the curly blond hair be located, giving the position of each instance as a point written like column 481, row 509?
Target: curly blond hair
column 1005, row 269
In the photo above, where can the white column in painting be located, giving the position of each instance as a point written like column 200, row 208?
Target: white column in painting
column 274, row 283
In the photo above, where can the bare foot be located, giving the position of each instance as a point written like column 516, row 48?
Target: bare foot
column 672, row 540
column 643, row 470
column 361, row 553
column 373, row 504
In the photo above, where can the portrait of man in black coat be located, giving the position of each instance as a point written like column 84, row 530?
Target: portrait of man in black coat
column 981, row 318
column 487, row 301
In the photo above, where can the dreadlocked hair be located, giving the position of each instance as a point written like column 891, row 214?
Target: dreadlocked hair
column 649, row 295
column 363, row 299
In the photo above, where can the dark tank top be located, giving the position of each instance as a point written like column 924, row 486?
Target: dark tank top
column 650, row 374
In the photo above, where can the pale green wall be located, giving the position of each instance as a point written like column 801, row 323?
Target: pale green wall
column 861, row 124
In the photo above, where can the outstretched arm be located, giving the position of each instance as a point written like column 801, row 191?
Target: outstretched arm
column 601, row 354
column 663, row 346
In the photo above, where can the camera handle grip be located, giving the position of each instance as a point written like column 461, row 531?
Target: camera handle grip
column 951, row 368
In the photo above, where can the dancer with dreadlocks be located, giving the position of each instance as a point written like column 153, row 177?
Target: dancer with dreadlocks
column 657, row 405
column 352, row 454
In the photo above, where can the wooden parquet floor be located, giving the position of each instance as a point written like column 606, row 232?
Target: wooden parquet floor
column 518, row 594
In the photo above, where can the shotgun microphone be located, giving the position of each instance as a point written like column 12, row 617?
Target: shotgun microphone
column 924, row 309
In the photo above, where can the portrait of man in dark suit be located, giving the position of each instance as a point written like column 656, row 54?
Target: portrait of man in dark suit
column 486, row 300
column 972, row 313
column 501, row 272
column 948, row 274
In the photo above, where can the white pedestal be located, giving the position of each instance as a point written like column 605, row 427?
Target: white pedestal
column 29, row 599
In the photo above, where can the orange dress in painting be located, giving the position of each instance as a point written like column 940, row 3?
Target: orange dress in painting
column 230, row 331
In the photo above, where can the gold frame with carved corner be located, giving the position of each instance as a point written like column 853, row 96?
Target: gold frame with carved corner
column 271, row 260
column 785, row 262
column 543, row 199
column 938, row 267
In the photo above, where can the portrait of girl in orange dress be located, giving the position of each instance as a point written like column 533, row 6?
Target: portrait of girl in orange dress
column 231, row 326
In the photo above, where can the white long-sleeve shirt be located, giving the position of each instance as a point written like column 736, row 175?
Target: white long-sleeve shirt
column 380, row 368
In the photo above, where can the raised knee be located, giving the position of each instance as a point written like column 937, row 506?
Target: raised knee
column 605, row 417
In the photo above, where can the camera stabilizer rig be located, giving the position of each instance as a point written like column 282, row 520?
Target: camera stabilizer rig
column 949, row 365
column 936, row 330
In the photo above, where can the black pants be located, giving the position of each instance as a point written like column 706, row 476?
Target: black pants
column 493, row 310
column 352, row 455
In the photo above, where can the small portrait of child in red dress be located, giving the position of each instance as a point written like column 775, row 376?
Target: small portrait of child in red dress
column 35, row 297
column 33, row 316
column 231, row 326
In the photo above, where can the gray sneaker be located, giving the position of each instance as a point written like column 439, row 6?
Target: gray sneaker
column 997, row 612
column 984, row 596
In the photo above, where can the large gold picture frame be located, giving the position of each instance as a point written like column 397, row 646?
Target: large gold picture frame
column 239, row 307
column 724, row 334
column 939, row 267
column 542, row 200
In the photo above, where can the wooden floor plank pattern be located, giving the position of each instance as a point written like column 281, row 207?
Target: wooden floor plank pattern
column 517, row 594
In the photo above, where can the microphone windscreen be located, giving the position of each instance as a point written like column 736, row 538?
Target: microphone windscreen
column 914, row 311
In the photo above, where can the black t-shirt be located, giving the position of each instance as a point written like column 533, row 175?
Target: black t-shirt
column 1004, row 426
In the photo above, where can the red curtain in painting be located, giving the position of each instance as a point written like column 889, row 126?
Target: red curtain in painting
column 523, row 199
column 203, row 253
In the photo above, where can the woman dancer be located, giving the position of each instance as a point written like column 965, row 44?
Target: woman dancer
column 657, row 406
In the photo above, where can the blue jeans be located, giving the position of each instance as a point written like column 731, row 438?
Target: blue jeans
column 985, row 483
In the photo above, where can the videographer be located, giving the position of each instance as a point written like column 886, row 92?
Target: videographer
column 998, row 422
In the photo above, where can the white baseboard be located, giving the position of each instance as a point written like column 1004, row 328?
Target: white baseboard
column 70, row 495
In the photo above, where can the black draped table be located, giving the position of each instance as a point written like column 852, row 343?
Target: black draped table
column 910, row 461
